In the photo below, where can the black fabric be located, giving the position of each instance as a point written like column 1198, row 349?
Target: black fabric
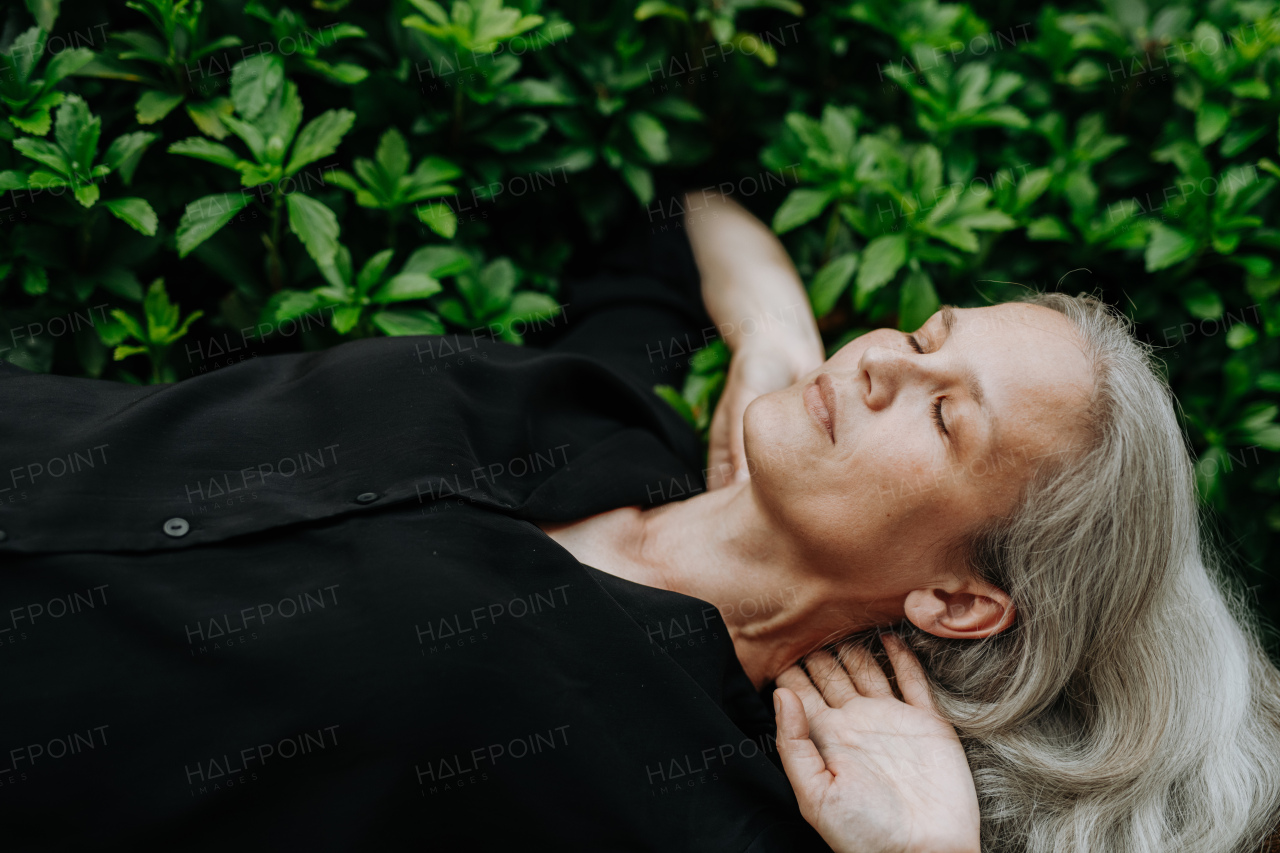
column 358, row 638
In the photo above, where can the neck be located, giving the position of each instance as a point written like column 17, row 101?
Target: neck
column 724, row 548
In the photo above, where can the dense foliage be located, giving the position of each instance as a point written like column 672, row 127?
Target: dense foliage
column 190, row 183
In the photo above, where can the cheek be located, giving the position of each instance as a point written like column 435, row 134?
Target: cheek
column 902, row 477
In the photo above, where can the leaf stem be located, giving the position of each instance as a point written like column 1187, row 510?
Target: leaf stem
column 275, row 264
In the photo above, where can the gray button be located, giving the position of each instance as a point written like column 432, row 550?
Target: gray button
column 367, row 497
column 3, row 536
column 176, row 527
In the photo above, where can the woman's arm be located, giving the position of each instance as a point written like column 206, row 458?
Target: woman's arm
column 753, row 293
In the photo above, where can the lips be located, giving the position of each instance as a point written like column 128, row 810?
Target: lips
column 820, row 400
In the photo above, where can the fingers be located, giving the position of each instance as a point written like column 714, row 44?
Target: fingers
column 831, row 679
column 865, row 672
column 737, row 437
column 912, row 681
column 795, row 680
column 804, row 765
column 720, row 456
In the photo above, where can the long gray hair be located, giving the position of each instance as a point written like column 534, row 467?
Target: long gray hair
column 1131, row 706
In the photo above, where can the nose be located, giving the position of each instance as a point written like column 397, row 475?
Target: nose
column 884, row 371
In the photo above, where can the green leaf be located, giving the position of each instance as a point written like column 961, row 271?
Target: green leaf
column 291, row 304
column 161, row 314
column 25, row 50
column 45, row 12
column 926, row 171
column 397, row 323
column 830, row 283
column 987, row 220
column 345, row 318
column 372, row 271
column 112, row 332
column 531, row 92
column 1031, row 187
column 678, row 109
column 799, row 207
column 393, row 154
column 203, row 149
column 316, row 226
column 124, row 151
column 346, row 73
column 130, row 325
column 208, row 116
column 44, row 152
column 650, row 136
column 254, row 81
column 136, row 212
column 12, row 179
column 918, row 300
column 1241, row 335
column 1255, row 88
column 77, row 131
column 881, row 260
column 657, row 8
column 514, row 132
column 1167, row 247
column 407, row 286
column 64, row 64
column 1211, row 122
column 529, row 306
column 676, row 400
column 640, row 180
column 35, row 281
column 204, row 216
column 1268, row 437
column 496, row 283
column 36, row 120
column 121, row 353
column 320, row 138
column 433, row 171
column 437, row 261
column 434, row 11
column 1202, row 301
column 86, row 194
column 1048, row 228
column 440, row 218
column 154, row 105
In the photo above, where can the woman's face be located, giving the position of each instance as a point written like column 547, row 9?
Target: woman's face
column 888, row 451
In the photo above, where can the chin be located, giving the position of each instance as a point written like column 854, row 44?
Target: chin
column 775, row 429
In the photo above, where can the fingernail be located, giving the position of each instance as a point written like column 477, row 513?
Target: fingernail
column 777, row 704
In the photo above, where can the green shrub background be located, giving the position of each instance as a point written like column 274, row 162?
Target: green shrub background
column 178, row 172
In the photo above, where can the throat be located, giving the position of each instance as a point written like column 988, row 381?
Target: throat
column 610, row 541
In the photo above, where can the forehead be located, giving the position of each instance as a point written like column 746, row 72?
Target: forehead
column 1034, row 372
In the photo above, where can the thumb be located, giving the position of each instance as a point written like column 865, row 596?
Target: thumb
column 805, row 767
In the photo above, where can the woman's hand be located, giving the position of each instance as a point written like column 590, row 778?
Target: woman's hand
column 874, row 774
column 754, row 370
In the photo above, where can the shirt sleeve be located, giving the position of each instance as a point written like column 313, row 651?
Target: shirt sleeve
column 641, row 311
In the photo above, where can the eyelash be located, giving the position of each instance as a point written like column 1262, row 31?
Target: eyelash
column 937, row 404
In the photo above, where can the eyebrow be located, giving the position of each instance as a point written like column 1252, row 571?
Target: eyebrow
column 968, row 376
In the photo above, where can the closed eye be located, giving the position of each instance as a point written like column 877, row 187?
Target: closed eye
column 937, row 404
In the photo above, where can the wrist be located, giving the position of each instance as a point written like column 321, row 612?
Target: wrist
column 801, row 353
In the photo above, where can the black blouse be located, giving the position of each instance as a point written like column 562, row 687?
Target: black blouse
column 301, row 603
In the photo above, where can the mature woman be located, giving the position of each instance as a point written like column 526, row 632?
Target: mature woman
column 403, row 593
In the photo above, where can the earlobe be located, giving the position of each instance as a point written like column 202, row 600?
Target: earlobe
column 976, row 611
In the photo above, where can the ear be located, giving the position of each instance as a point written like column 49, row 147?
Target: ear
column 973, row 610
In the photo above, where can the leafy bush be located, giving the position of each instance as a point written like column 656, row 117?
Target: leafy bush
column 305, row 173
